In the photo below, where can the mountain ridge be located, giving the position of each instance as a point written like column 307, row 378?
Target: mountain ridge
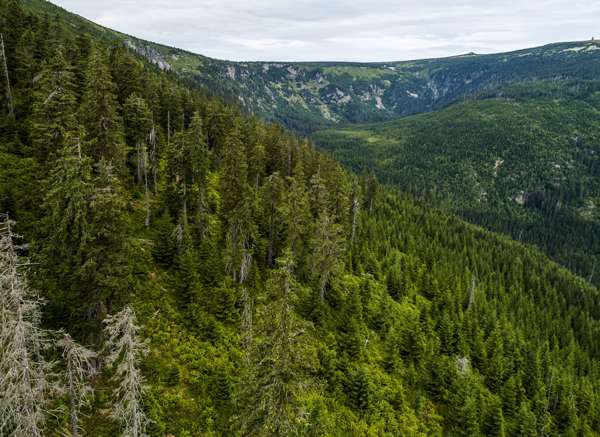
column 307, row 96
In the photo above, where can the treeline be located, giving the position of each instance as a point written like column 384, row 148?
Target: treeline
column 278, row 294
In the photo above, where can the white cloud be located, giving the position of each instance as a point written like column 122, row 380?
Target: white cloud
column 345, row 30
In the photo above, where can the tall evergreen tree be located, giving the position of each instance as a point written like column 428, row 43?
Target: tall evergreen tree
column 139, row 131
column 197, row 159
column 108, row 256
column 66, row 234
column 295, row 212
column 237, row 206
column 327, row 247
column 126, row 72
column 98, row 113
column 54, row 108
column 277, row 376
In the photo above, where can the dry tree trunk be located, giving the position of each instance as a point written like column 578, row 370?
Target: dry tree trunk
column 11, row 109
column 247, row 308
column 472, row 292
column 153, row 158
column 185, row 211
column 146, row 190
column 245, row 264
column 355, row 211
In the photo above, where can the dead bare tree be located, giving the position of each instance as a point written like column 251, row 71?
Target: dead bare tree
column 355, row 212
column 24, row 372
column 142, row 176
column 125, row 351
column 472, row 292
column 80, row 368
column 153, row 158
column 11, row 109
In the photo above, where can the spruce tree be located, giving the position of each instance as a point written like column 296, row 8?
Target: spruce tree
column 469, row 415
column 271, row 199
column 99, row 115
column 327, row 245
column 54, row 108
column 277, row 370
column 108, row 256
column 139, row 128
column 359, row 390
column 237, row 207
column 126, row 72
column 25, row 70
column 295, row 212
column 66, row 235
column 196, row 158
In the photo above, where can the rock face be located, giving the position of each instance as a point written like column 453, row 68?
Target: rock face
column 150, row 53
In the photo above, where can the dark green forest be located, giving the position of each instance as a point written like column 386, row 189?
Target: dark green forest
column 523, row 161
column 171, row 266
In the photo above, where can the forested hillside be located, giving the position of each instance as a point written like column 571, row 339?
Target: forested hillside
column 170, row 266
column 526, row 164
column 307, row 96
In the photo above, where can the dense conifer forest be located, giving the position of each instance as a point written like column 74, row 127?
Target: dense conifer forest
column 523, row 161
column 170, row 266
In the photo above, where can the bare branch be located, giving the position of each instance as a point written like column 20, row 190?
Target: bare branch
column 125, row 351
column 23, row 369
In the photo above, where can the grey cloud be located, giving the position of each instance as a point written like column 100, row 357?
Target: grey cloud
column 348, row 30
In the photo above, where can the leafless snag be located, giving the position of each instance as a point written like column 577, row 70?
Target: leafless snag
column 80, row 368
column 24, row 372
column 125, row 351
column 11, row 109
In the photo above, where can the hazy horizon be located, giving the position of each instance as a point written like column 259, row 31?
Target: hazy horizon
column 342, row 30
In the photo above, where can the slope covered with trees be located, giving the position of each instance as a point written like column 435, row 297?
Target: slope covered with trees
column 275, row 293
column 525, row 164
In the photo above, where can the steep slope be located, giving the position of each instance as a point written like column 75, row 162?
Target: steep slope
column 309, row 96
column 278, row 294
column 526, row 166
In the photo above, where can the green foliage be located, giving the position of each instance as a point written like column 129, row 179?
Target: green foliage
column 528, row 168
column 98, row 112
column 54, row 107
column 278, row 294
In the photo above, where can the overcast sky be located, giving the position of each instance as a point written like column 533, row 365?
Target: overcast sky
column 345, row 30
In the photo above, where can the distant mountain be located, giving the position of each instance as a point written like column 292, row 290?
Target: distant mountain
column 304, row 96
column 307, row 96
